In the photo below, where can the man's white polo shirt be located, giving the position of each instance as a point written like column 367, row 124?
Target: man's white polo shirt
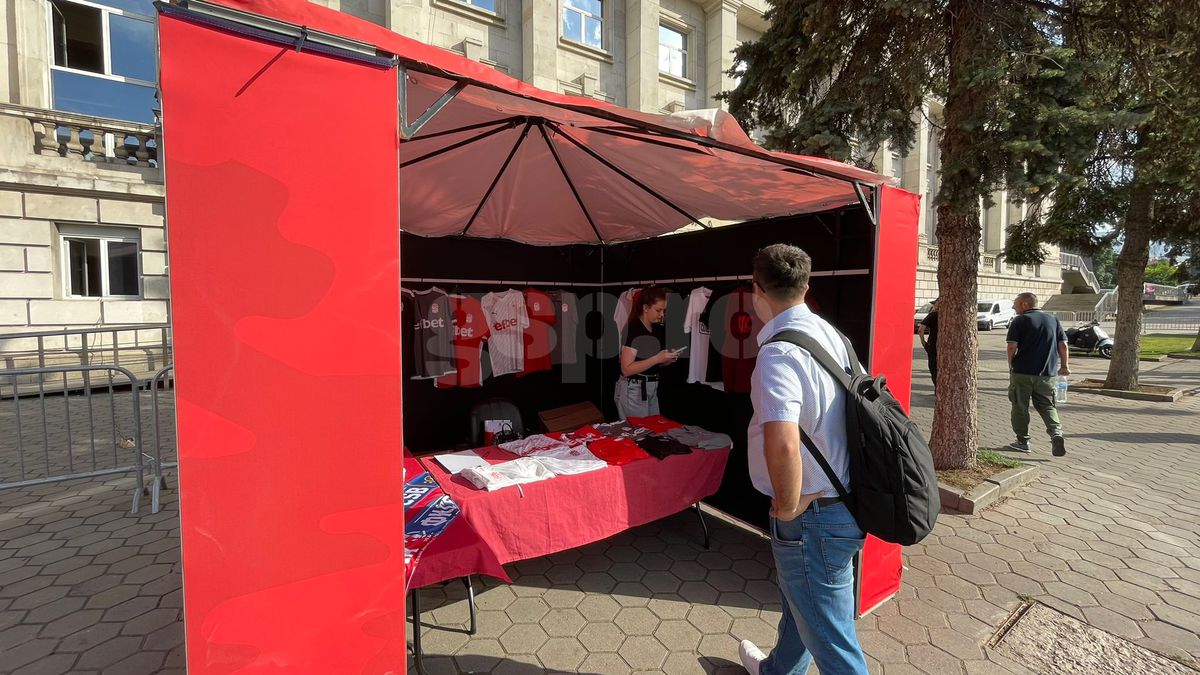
column 788, row 385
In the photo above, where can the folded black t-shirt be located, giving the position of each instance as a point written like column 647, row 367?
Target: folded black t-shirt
column 662, row 446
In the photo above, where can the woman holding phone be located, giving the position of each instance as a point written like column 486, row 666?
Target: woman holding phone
column 642, row 355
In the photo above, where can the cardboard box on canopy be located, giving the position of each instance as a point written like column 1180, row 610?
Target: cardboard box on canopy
column 299, row 143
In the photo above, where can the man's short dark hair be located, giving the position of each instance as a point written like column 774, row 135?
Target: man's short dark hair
column 782, row 271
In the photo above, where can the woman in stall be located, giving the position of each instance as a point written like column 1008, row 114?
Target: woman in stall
column 642, row 355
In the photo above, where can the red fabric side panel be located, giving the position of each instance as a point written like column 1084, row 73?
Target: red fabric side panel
column 282, row 178
column 569, row 511
column 882, row 564
column 891, row 355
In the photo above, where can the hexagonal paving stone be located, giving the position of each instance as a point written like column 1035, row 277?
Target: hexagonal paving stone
column 109, row 652
column 661, row 582
column 596, row 582
column 698, row 592
column 40, row 597
column 130, row 608
column 562, row 653
column 523, row 639
column 495, row 598
column 599, row 608
column 479, row 656
column 636, row 621
column 722, row 646
column 709, row 620
column 631, row 594
column 563, row 622
column 563, row 598
column 903, row 630
column 756, row 630
column 725, row 581
column 564, row 574
column 677, row 635
column 689, row 570
column 527, row 610
column 930, row 659
column 601, row 637
column 643, row 652
column 607, row 662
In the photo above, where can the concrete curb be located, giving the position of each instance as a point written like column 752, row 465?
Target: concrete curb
column 1184, row 355
column 1171, row 397
column 986, row 493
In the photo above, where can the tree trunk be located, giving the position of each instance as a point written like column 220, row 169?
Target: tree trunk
column 955, row 436
column 1131, row 277
column 1196, row 344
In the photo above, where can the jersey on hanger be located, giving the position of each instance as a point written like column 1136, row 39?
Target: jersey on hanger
column 470, row 330
column 538, row 339
column 566, row 317
column 507, row 321
column 432, row 333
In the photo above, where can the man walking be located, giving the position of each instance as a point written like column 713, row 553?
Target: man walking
column 1037, row 352
column 928, row 332
column 814, row 537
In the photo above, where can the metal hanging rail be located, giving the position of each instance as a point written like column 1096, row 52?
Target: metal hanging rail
column 607, row 284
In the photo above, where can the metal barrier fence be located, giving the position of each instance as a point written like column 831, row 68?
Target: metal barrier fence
column 66, row 414
column 1109, row 321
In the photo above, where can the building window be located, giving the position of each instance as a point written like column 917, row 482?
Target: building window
column 105, row 61
column 583, row 22
column 672, row 51
column 97, row 264
column 897, row 166
column 489, row 5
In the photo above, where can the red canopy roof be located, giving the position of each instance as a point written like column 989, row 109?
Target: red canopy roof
column 503, row 158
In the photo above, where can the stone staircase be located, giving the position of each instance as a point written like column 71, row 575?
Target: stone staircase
column 1072, row 302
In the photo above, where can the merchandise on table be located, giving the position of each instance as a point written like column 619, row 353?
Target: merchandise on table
column 655, row 423
column 663, row 446
column 570, row 461
column 617, row 451
column 697, row 437
column 470, row 330
column 537, row 338
column 507, row 321
column 622, row 429
column 532, row 444
column 516, row 472
column 430, row 317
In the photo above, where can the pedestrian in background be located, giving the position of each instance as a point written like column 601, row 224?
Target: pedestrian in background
column 1037, row 355
column 928, row 332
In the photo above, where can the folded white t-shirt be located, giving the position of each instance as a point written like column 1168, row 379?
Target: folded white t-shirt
column 570, row 461
column 531, row 445
column 496, row 476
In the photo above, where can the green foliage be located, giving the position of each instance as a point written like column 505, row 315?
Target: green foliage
column 1162, row 272
column 1140, row 70
column 827, row 71
column 1104, row 264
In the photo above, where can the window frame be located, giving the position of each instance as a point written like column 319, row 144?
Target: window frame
column 67, row 234
column 562, row 21
column 106, row 36
column 686, row 35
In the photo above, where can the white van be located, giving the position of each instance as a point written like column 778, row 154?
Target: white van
column 992, row 313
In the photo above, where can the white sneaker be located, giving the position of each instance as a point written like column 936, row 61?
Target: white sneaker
column 752, row 657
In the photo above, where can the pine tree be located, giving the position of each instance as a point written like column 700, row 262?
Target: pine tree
column 1142, row 182
column 828, row 71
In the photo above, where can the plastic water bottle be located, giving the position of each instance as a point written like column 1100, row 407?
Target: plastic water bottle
column 1060, row 389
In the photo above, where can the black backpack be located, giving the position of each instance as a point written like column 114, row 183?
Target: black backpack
column 893, row 489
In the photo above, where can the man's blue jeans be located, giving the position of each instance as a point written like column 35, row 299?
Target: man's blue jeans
column 814, row 557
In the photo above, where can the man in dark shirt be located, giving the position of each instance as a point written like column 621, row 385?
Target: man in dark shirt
column 928, row 332
column 1037, row 354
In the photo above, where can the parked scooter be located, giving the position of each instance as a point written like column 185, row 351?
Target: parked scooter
column 1090, row 337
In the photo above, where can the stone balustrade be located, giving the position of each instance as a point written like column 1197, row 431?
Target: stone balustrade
column 87, row 138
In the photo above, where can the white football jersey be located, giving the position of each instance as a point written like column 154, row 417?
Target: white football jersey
column 507, row 320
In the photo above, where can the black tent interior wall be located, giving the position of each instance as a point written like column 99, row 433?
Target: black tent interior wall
column 437, row 419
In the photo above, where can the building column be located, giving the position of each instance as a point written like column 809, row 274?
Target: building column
column 409, row 18
column 539, row 44
column 720, row 29
column 33, row 57
column 641, row 54
column 916, row 177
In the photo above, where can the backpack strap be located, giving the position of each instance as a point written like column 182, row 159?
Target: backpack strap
column 840, row 373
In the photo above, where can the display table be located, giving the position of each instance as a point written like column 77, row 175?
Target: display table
column 566, row 512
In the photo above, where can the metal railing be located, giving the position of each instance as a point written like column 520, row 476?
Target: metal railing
column 1163, row 293
column 71, row 406
column 1074, row 262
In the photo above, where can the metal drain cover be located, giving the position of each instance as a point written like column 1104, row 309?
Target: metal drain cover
column 1047, row 641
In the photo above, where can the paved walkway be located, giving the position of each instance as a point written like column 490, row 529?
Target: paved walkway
column 1107, row 535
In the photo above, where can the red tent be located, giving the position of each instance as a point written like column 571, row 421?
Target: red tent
column 299, row 141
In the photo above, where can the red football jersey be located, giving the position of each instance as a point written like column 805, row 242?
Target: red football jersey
column 740, row 352
column 470, row 330
column 537, row 336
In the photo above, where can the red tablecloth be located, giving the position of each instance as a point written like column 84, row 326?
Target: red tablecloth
column 565, row 512
column 452, row 549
